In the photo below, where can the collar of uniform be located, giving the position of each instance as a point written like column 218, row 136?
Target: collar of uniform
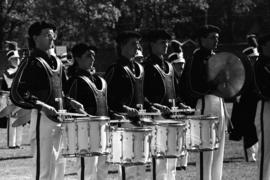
column 156, row 60
column 49, row 59
column 124, row 61
column 206, row 51
column 40, row 53
column 82, row 72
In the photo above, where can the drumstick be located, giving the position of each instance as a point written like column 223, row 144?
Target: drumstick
column 182, row 110
column 69, row 114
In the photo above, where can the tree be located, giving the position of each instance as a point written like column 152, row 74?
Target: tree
column 13, row 18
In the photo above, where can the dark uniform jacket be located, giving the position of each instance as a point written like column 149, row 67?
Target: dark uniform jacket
column 40, row 77
column 90, row 90
column 159, row 81
column 194, row 78
column 125, row 85
column 262, row 77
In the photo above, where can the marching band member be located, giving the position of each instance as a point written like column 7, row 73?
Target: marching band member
column 209, row 163
column 125, row 87
column 176, row 58
column 262, row 77
column 244, row 107
column 14, row 135
column 159, row 88
column 38, row 85
column 90, row 90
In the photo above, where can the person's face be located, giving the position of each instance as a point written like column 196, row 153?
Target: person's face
column 211, row 41
column 87, row 59
column 45, row 39
column 160, row 47
column 14, row 61
column 130, row 48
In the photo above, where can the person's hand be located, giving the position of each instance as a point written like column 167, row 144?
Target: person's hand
column 131, row 112
column 48, row 110
column 183, row 106
column 77, row 106
column 162, row 108
column 154, row 109
column 118, row 116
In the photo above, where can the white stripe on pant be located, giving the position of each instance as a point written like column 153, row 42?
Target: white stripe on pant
column 46, row 145
column 262, row 122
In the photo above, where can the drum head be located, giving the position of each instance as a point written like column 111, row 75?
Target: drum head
column 131, row 129
column 202, row 117
column 168, row 122
column 2, row 93
column 227, row 72
column 86, row 118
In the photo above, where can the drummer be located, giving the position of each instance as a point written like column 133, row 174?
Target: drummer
column 14, row 137
column 38, row 86
column 125, row 86
column 91, row 90
column 159, row 88
column 176, row 58
column 209, row 164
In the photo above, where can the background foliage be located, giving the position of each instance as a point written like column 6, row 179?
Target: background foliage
column 98, row 21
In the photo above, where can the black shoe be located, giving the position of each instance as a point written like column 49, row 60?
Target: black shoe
column 179, row 168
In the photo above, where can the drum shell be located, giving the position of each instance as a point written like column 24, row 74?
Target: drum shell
column 168, row 138
column 201, row 134
column 85, row 137
column 129, row 146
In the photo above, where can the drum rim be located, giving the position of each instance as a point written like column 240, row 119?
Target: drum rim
column 131, row 129
column 4, row 93
column 164, row 123
column 86, row 119
column 200, row 117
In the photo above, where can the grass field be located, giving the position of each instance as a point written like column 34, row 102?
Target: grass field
column 17, row 164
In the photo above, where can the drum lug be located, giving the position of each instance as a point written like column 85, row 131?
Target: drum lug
column 201, row 133
column 133, row 146
column 167, row 141
column 77, row 133
column 99, row 132
column 177, row 140
column 121, row 139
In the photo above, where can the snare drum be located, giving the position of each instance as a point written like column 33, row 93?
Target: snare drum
column 85, row 136
column 168, row 138
column 202, row 133
column 129, row 146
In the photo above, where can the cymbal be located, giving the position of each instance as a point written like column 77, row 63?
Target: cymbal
column 227, row 72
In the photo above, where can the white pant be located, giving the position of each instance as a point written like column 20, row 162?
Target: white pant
column 166, row 169
column 209, row 164
column 93, row 168
column 14, row 134
column 262, row 122
column 46, row 144
column 183, row 160
column 135, row 172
